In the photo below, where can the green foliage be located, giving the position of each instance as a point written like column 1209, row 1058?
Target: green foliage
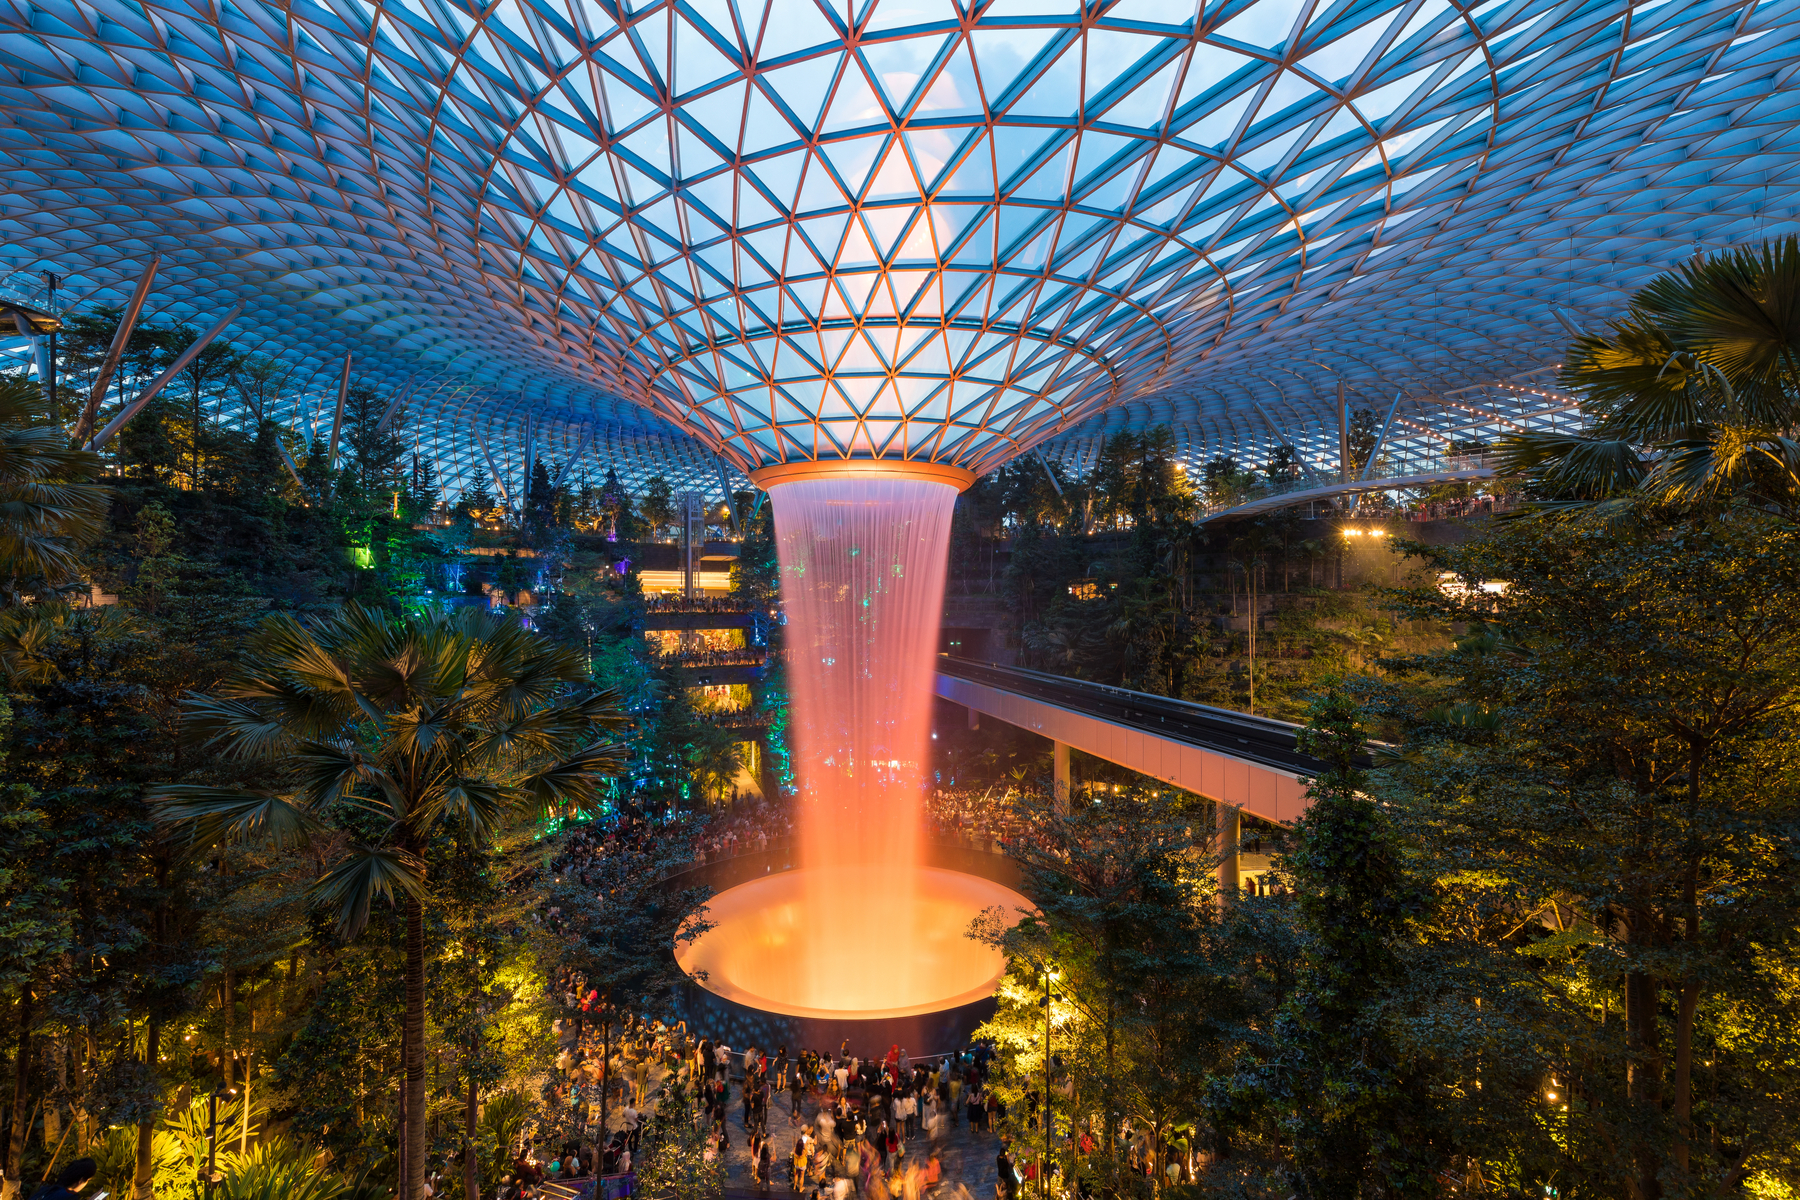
column 51, row 502
column 1690, row 398
column 503, row 1121
column 1358, row 1110
column 677, row 1164
column 276, row 1170
column 1613, row 839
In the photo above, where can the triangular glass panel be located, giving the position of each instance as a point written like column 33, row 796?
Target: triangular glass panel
column 697, row 158
column 1144, row 105
column 697, row 61
column 765, row 127
column 626, row 104
column 1266, row 24
column 887, row 225
column 860, row 355
column 857, row 289
column 820, row 189
column 855, row 105
column 918, row 246
column 1049, row 182
column 1003, row 55
column 933, row 150
column 974, row 175
column 826, row 233
column 978, row 248
column 802, row 86
column 780, row 175
column 805, row 296
column 899, row 65
column 858, row 250
column 792, row 27
column 894, row 180
column 955, row 92
column 1057, row 92
column 753, row 208
column 853, row 160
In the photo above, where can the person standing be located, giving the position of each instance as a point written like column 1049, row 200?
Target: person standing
column 1009, row 1182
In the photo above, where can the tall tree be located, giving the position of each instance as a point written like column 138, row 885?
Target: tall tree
column 657, row 508
column 1125, row 922
column 397, row 732
column 1358, row 1109
column 1605, row 777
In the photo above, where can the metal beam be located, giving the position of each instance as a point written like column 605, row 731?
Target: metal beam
column 581, row 448
column 121, row 338
column 1343, row 435
column 499, row 483
column 337, row 420
column 1381, row 439
column 730, row 504
column 1311, row 471
column 161, row 381
column 388, row 413
column 1049, row 472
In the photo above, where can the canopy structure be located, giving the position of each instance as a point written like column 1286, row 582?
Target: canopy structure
column 773, row 231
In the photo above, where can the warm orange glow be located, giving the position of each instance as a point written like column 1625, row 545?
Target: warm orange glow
column 755, row 952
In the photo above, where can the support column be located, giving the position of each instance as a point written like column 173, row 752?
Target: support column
column 1061, row 783
column 1230, row 823
column 974, row 719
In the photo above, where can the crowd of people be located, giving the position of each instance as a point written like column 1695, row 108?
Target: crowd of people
column 976, row 816
column 676, row 603
column 740, row 656
column 746, row 827
column 823, row 1125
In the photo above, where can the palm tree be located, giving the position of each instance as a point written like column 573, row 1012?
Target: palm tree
column 1692, row 397
column 50, row 502
column 432, row 726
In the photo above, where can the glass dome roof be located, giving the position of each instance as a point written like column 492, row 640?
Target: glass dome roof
column 898, row 228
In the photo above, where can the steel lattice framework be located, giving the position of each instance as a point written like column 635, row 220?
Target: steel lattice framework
column 898, row 228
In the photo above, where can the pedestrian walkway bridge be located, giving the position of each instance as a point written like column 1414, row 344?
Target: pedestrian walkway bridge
column 1247, row 762
column 1326, row 491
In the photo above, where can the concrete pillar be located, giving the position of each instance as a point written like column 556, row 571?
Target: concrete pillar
column 1061, row 783
column 1230, row 822
column 974, row 719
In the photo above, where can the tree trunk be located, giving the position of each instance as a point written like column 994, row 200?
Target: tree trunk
column 471, row 1178
column 1686, row 1003
column 143, row 1177
column 413, row 1128
column 1642, row 1080
column 21, row 1119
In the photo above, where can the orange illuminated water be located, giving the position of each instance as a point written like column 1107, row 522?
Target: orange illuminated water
column 763, row 932
column 862, row 586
